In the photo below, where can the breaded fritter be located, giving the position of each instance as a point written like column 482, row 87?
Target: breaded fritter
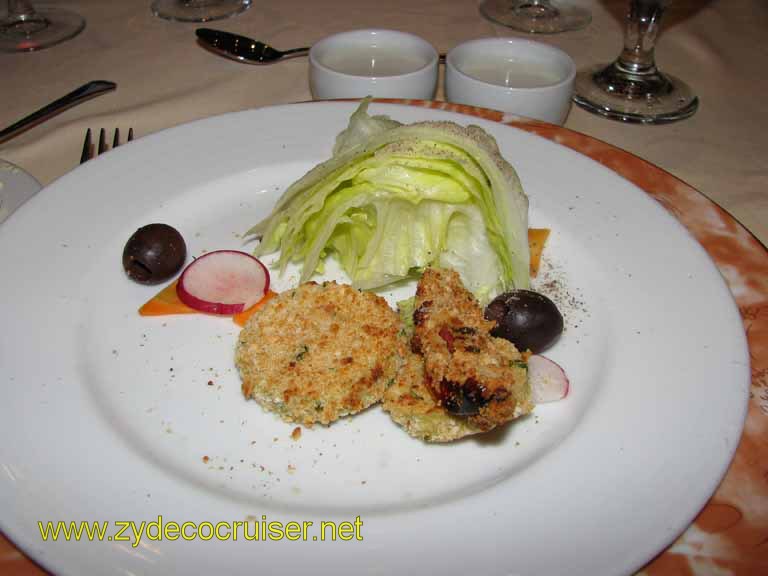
column 411, row 404
column 319, row 352
column 469, row 372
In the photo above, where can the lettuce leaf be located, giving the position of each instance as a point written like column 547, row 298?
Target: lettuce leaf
column 394, row 199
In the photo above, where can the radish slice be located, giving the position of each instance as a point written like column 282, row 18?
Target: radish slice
column 223, row 282
column 548, row 380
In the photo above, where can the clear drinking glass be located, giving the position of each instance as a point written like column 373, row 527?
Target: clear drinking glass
column 536, row 16
column 198, row 10
column 27, row 28
column 631, row 88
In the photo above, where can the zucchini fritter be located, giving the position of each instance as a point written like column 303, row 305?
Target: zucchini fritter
column 411, row 404
column 469, row 372
column 319, row 352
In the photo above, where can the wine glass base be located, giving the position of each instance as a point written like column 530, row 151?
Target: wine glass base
column 659, row 99
column 536, row 17
column 48, row 27
column 198, row 10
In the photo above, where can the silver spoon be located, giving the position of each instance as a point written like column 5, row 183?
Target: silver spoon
column 243, row 49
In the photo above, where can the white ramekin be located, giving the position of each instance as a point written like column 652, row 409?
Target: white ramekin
column 345, row 65
column 549, row 101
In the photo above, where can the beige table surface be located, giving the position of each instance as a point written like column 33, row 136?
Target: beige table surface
column 164, row 78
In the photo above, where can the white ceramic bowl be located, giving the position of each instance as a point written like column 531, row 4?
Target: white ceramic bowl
column 383, row 63
column 514, row 75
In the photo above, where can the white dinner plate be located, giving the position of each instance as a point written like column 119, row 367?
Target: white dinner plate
column 16, row 187
column 109, row 416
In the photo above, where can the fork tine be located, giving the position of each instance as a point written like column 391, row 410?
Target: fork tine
column 102, row 141
column 88, row 148
column 86, row 154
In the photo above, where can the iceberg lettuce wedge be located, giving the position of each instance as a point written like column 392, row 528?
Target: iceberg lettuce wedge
column 396, row 198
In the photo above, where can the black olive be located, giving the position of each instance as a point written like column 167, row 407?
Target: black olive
column 154, row 254
column 529, row 320
column 462, row 399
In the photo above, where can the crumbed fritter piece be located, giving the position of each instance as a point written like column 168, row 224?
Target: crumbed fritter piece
column 319, row 352
column 469, row 372
column 411, row 404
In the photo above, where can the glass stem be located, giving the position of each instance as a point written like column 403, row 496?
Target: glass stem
column 536, row 8
column 21, row 10
column 197, row 3
column 640, row 37
column 22, row 18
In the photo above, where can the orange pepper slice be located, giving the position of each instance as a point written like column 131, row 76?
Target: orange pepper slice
column 537, row 237
column 242, row 317
column 167, row 302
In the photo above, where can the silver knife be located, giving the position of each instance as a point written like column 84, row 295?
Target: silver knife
column 85, row 92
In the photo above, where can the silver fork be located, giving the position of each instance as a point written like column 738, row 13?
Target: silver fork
column 88, row 150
